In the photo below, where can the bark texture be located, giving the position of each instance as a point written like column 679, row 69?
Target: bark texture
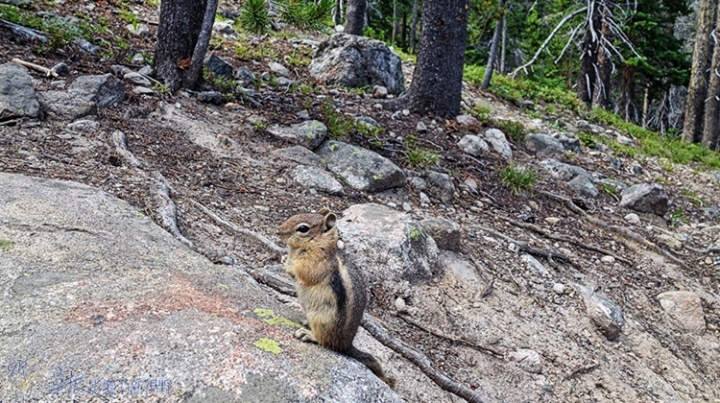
column 712, row 105
column 413, row 26
column 697, row 89
column 437, row 83
column 176, row 53
column 587, row 75
column 355, row 17
column 601, row 93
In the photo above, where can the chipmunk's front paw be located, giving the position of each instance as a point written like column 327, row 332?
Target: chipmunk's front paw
column 305, row 335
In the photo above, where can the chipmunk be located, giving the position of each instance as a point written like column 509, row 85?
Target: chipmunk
column 331, row 293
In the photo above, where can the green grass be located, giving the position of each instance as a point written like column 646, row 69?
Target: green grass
column 517, row 179
column 338, row 125
column 514, row 130
column 5, row 245
column 421, row 158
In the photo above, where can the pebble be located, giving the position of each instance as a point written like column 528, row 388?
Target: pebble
column 632, row 218
column 552, row 220
column 400, row 305
column 407, row 207
column 608, row 259
column 261, row 208
column 559, row 288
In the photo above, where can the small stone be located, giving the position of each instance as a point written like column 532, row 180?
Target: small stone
column 137, row 79
column 552, row 220
column 559, row 288
column 473, row 145
column 406, row 207
column 418, row 183
column 420, row 127
column 377, row 107
column 279, row 69
column 684, row 308
column 467, row 120
column 406, row 112
column 400, row 305
column 608, row 259
column 424, row 199
column 529, row 360
column 261, row 208
column 138, row 29
column 380, row 91
column 213, row 97
column 61, row 69
column 227, row 260
column 140, row 90
column 632, row 218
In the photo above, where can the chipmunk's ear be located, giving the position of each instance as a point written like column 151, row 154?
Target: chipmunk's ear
column 329, row 222
column 324, row 211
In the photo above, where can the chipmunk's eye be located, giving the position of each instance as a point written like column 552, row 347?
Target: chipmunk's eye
column 303, row 228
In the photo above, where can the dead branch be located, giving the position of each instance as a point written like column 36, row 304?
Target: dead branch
column 547, row 40
column 270, row 244
column 420, row 360
column 36, row 67
column 165, row 207
column 525, row 247
column 563, row 238
column 483, row 349
column 24, row 33
column 273, row 281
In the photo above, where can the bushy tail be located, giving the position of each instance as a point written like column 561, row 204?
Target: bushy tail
column 372, row 363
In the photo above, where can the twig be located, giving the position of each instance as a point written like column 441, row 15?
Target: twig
column 420, row 360
column 270, row 244
column 34, row 66
column 525, row 247
column 483, row 349
column 563, row 238
column 582, row 370
column 273, row 281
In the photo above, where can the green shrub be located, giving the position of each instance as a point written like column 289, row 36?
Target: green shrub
column 254, row 17
column 308, row 15
column 517, row 179
column 421, row 158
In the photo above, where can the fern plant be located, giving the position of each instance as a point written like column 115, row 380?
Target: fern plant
column 254, row 17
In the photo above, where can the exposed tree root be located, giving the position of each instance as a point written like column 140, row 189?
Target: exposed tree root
column 121, row 148
column 483, row 349
column 525, row 247
column 270, row 244
column 165, row 207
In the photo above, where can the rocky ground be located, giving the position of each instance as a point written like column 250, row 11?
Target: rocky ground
column 553, row 294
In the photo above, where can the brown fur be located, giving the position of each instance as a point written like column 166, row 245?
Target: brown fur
column 331, row 293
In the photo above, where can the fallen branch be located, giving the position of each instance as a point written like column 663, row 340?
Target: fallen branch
column 420, row 360
column 270, row 244
column 24, row 33
column 525, row 247
column 483, row 349
column 563, row 238
column 121, row 148
column 34, row 66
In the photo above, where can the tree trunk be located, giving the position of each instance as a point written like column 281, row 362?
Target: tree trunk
column 355, row 17
column 493, row 52
column 504, row 43
column 626, row 103
column 697, row 89
column 337, row 13
column 587, row 76
column 182, row 42
column 413, row 26
column 394, row 24
column 601, row 94
column 712, row 105
column 403, row 32
column 437, row 82
column 646, row 106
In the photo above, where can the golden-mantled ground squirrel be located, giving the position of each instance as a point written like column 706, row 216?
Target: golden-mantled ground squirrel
column 331, row 293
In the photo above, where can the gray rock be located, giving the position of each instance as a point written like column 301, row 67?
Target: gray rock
column 87, row 47
column 146, row 70
column 284, row 82
column 82, row 126
column 570, row 143
column 61, row 69
column 605, row 314
column 529, row 360
column 387, row 244
column 80, row 290
column 635, row 169
column 446, row 233
column 466, row 120
column 418, row 183
column 421, row 127
column 424, row 199
column 361, row 169
column 308, row 134
column 499, row 143
column 624, row 140
column 379, row 91
column 583, row 185
column 85, row 96
column 17, row 2
column 473, row 145
column 17, row 95
column 632, row 218
column 645, row 198
column 219, row 67
column 143, row 90
column 138, row 29
column 212, row 97
column 544, row 145
column 223, row 28
column 298, row 154
column 137, row 79
column 368, row 121
column 441, row 185
column 560, row 171
column 245, row 75
column 684, row 309
column 536, row 268
column 317, row 178
column 356, row 61
column 279, row 69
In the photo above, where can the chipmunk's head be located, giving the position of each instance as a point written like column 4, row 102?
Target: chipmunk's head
column 303, row 231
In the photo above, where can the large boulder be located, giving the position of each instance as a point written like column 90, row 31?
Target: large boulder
column 99, row 301
column 684, row 308
column 645, row 198
column 85, row 96
column 387, row 244
column 544, row 145
column 17, row 95
column 360, row 168
column 357, row 61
